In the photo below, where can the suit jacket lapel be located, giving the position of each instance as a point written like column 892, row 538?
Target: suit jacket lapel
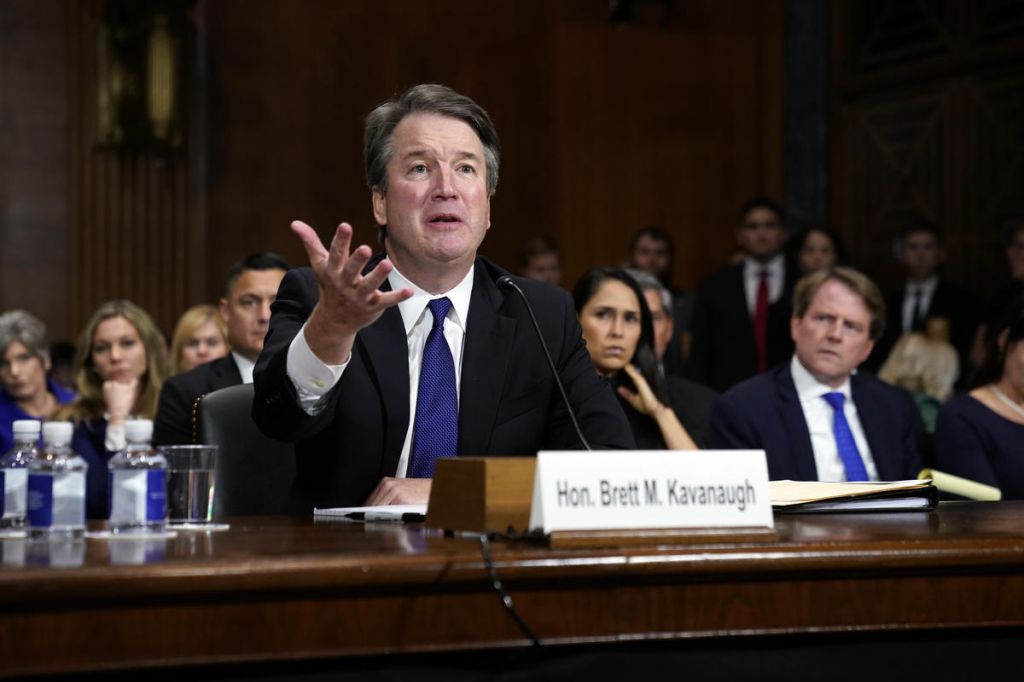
column 485, row 356
column 792, row 415
column 873, row 424
column 386, row 353
column 225, row 373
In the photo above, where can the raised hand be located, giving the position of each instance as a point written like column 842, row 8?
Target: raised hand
column 349, row 300
column 643, row 400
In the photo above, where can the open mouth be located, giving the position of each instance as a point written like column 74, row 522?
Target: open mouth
column 444, row 219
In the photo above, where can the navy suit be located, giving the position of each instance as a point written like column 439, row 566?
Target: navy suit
column 173, row 423
column 765, row 413
column 508, row 405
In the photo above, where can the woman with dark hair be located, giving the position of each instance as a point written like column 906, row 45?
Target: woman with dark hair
column 619, row 333
column 980, row 436
column 120, row 365
column 817, row 248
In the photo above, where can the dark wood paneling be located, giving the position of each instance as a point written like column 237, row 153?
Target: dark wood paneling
column 927, row 113
column 34, row 203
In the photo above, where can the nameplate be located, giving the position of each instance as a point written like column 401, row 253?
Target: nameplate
column 609, row 489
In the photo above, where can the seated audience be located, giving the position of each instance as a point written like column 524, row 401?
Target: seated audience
column 652, row 250
column 24, row 362
column 199, row 337
column 62, row 365
column 1013, row 231
column 691, row 401
column 817, row 248
column 926, row 368
column 815, row 416
column 251, row 288
column 620, row 339
column 980, row 435
column 119, row 369
column 540, row 259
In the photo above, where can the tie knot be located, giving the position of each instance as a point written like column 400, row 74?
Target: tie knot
column 439, row 308
column 835, row 399
column 763, row 274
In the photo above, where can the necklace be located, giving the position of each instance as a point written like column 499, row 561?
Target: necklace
column 1006, row 399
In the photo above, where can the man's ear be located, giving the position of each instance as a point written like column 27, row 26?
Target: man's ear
column 380, row 205
column 223, row 307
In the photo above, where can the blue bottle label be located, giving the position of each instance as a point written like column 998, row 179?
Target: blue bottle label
column 3, row 486
column 156, row 495
column 40, row 500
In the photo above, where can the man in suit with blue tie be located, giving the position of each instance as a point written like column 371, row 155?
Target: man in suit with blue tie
column 377, row 365
column 815, row 416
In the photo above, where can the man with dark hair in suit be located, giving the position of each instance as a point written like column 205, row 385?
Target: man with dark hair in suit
column 251, row 287
column 815, row 417
column 378, row 365
column 741, row 315
column 927, row 302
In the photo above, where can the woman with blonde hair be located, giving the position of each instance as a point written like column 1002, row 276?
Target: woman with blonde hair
column 926, row 367
column 120, row 366
column 201, row 335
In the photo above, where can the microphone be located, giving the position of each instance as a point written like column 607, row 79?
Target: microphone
column 506, row 282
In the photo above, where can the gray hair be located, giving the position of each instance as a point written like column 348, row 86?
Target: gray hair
column 430, row 98
column 649, row 282
column 18, row 325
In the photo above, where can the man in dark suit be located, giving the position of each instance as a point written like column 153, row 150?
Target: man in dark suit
column 376, row 367
column 741, row 315
column 928, row 302
column 815, row 418
column 251, row 288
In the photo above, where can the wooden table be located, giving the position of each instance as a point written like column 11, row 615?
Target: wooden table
column 288, row 590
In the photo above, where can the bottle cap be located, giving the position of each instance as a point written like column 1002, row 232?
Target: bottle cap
column 57, row 432
column 138, row 430
column 27, row 427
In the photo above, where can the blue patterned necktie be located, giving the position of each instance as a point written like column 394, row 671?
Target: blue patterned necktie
column 435, row 432
column 845, row 443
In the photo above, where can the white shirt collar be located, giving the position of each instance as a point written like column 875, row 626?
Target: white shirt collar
column 775, row 267
column 245, row 367
column 809, row 388
column 412, row 309
column 926, row 287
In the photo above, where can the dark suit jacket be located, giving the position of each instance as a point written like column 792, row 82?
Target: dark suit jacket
column 509, row 404
column 723, row 350
column 765, row 413
column 949, row 301
column 173, row 423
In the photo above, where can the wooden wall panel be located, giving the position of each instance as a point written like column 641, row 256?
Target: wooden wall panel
column 671, row 119
column 928, row 101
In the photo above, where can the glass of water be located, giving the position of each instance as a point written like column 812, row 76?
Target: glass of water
column 190, row 482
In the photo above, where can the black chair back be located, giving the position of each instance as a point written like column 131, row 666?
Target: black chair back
column 255, row 473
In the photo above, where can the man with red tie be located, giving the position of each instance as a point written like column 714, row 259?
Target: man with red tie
column 741, row 315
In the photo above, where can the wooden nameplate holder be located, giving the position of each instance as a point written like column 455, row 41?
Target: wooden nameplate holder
column 493, row 494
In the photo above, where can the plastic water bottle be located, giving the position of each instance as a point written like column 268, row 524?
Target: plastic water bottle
column 14, row 472
column 138, row 483
column 56, row 486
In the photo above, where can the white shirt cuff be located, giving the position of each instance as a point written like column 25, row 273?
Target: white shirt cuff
column 115, row 438
column 311, row 377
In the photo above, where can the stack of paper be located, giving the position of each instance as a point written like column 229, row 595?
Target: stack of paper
column 823, row 496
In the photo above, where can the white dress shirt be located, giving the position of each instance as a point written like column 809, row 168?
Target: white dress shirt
column 245, row 367
column 819, row 415
column 927, row 289
column 776, row 270
column 313, row 379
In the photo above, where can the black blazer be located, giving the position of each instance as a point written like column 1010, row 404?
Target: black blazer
column 173, row 423
column 508, row 400
column 765, row 413
column 723, row 350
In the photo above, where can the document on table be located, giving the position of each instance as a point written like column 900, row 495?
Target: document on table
column 820, row 496
column 395, row 513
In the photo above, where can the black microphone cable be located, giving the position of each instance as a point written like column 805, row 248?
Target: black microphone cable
column 507, row 281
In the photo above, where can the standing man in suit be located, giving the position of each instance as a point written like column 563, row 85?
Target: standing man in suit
column 251, row 288
column 815, row 417
column 927, row 302
column 378, row 365
column 741, row 316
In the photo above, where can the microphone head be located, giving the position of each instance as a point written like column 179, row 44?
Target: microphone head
column 503, row 281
